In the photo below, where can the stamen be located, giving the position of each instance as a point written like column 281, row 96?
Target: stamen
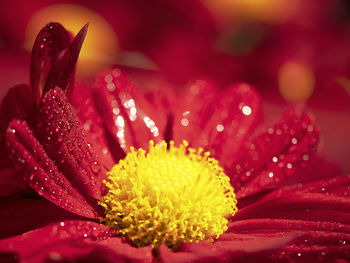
column 168, row 196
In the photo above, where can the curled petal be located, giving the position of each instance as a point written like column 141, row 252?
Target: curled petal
column 62, row 72
column 129, row 118
column 42, row 174
column 65, row 142
column 50, row 42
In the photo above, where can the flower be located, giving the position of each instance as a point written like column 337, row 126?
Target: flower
column 63, row 137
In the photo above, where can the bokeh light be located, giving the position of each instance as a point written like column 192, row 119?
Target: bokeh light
column 296, row 82
column 100, row 47
column 270, row 11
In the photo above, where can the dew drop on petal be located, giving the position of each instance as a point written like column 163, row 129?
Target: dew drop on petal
column 246, row 110
column 220, row 127
column 95, row 167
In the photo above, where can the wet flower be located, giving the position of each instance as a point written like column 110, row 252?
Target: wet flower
column 159, row 203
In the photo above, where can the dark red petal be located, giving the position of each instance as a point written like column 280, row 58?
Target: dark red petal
column 108, row 151
column 11, row 181
column 192, row 113
column 237, row 113
column 129, row 118
column 20, row 215
column 19, row 104
column 41, row 173
column 64, row 240
column 63, row 66
column 275, row 155
column 50, row 42
column 65, row 142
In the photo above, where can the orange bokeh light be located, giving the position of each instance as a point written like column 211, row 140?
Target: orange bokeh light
column 270, row 11
column 296, row 82
column 100, row 48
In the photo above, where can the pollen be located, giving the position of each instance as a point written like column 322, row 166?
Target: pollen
column 168, row 195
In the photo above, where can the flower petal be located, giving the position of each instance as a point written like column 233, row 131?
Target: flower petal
column 64, row 141
column 62, row 72
column 12, row 212
column 108, row 151
column 63, row 240
column 191, row 116
column 275, row 155
column 41, row 173
column 237, row 113
column 129, row 118
column 49, row 44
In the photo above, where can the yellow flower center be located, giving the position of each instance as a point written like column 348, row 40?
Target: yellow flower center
column 168, row 196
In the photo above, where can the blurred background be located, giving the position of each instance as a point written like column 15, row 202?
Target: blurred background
column 292, row 51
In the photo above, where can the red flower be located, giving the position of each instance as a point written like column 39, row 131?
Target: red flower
column 63, row 140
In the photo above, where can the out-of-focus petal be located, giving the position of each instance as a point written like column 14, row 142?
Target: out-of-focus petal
column 23, row 214
column 11, row 181
column 129, row 118
column 274, row 155
column 108, row 150
column 42, row 174
column 192, row 113
column 64, row 141
column 64, row 240
column 51, row 41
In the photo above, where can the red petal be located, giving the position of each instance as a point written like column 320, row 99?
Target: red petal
column 64, row 141
column 237, row 113
column 11, row 181
column 63, row 67
column 108, row 151
column 50, row 42
column 19, row 104
column 64, row 240
column 300, row 206
column 41, row 173
column 275, row 155
column 13, row 211
column 129, row 118
column 193, row 112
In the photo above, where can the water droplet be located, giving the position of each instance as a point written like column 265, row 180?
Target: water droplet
column 95, row 167
column 220, row 127
column 247, row 110
column 184, row 122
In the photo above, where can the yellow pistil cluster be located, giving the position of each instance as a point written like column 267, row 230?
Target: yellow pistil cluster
column 168, row 196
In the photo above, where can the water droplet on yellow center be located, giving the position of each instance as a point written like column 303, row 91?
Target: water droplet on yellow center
column 168, row 196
